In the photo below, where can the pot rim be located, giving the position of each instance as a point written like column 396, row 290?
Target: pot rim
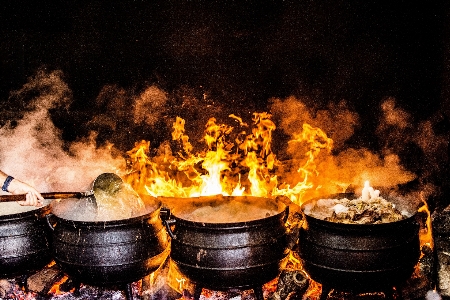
column 15, row 216
column 282, row 213
column 234, row 225
column 111, row 223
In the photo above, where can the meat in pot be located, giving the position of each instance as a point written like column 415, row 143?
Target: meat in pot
column 355, row 211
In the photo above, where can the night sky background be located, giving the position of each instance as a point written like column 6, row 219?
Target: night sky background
column 235, row 50
column 239, row 53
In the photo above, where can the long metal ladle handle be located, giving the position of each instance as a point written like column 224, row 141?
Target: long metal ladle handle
column 54, row 195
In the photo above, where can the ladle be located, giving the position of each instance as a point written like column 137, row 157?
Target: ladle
column 105, row 183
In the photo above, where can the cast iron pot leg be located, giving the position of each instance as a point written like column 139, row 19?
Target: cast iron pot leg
column 24, row 282
column 128, row 292
column 392, row 294
column 77, row 286
column 197, row 292
column 259, row 295
column 325, row 291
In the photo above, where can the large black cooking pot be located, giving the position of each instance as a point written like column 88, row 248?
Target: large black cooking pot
column 220, row 256
column 24, row 242
column 107, row 253
column 360, row 258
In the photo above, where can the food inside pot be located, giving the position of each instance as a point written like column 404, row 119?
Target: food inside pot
column 124, row 204
column 224, row 209
column 230, row 212
column 355, row 211
column 370, row 208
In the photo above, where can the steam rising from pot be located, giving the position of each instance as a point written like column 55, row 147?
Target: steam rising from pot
column 33, row 149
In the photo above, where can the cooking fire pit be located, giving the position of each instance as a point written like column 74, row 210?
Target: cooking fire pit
column 233, row 255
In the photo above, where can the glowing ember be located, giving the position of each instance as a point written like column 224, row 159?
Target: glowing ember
column 14, row 291
column 55, row 289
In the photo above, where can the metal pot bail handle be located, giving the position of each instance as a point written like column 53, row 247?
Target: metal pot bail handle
column 164, row 213
column 47, row 217
column 167, row 223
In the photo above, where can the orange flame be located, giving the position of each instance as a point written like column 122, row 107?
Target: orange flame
column 315, row 141
column 426, row 234
column 54, row 290
column 245, row 166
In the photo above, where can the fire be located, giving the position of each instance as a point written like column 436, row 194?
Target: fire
column 231, row 164
column 55, row 288
column 314, row 291
column 426, row 234
column 316, row 140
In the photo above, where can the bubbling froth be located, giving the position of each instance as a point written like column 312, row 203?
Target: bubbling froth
column 124, row 204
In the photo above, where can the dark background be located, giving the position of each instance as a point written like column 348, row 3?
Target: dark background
column 241, row 50
column 240, row 53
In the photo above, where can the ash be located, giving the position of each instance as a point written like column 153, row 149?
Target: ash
column 217, row 295
column 11, row 290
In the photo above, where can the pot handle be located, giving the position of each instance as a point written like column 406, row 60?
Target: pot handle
column 167, row 223
column 47, row 217
column 164, row 213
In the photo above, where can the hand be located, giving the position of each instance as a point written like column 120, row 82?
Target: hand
column 33, row 196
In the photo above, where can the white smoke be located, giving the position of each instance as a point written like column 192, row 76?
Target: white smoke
column 433, row 295
column 33, row 151
column 149, row 106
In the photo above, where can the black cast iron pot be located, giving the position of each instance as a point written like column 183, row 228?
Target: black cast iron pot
column 110, row 253
column 24, row 242
column 360, row 258
column 229, row 255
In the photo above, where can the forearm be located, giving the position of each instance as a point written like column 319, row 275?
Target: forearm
column 15, row 186
column 5, row 181
column 3, row 176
